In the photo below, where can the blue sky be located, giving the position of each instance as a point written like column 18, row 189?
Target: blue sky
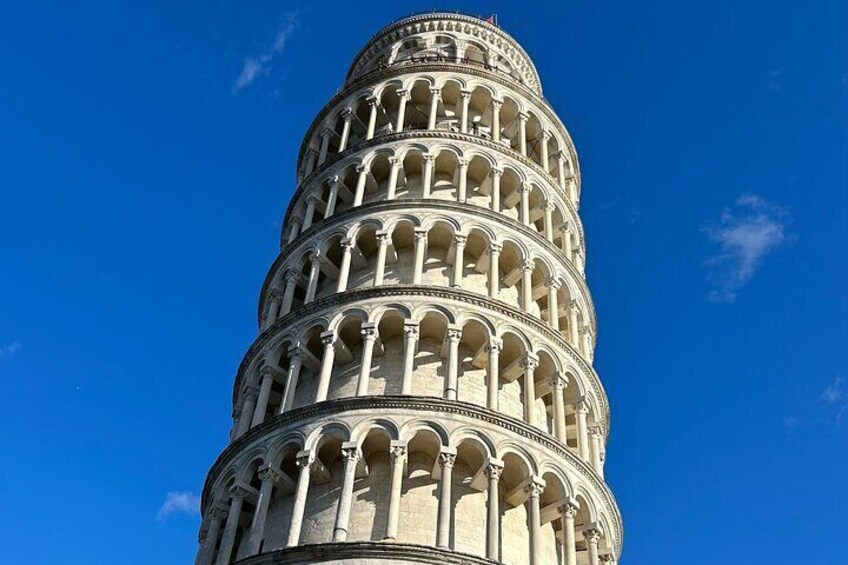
column 147, row 158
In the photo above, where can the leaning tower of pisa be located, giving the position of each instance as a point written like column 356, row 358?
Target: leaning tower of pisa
column 421, row 389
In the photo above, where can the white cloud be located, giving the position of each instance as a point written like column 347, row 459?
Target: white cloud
column 833, row 392
column 746, row 235
column 253, row 67
column 179, row 502
column 10, row 349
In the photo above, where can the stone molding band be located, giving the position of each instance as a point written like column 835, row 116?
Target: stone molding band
column 441, row 293
column 424, row 404
column 431, row 134
column 356, row 551
column 375, row 76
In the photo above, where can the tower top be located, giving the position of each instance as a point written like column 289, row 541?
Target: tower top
column 437, row 37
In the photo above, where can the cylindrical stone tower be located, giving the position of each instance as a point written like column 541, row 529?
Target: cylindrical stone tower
column 422, row 390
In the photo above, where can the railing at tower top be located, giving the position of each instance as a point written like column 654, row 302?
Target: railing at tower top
column 412, row 60
column 492, row 20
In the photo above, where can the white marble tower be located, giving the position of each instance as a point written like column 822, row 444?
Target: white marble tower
column 421, row 389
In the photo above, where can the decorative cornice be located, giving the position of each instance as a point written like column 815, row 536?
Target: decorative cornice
column 335, row 552
column 433, row 134
column 382, row 404
column 439, row 293
column 391, row 72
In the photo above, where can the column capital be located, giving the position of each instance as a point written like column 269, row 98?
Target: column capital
column 447, row 459
column 351, row 453
column 428, row 157
column 372, row 101
column 238, row 491
column 395, row 162
column 275, row 294
column 581, row 406
column 463, row 163
column 347, row 113
column 592, row 535
column 460, row 238
column 410, row 329
column 549, row 206
column 397, row 450
column 435, row 90
column 535, row 487
column 497, row 102
column 454, row 333
column 465, row 94
column 271, row 371
column 494, row 469
column 292, row 276
column 361, row 168
column 565, row 227
column 217, row 512
column 607, row 558
column 573, row 307
column 314, row 257
column 347, row 244
column 403, row 93
column 270, row 473
column 595, row 431
column 528, row 265
column 382, row 236
column 530, row 362
column 497, row 171
column 494, row 248
column 559, row 381
column 523, row 116
column 546, row 135
column 305, row 458
column 569, row 508
column 495, row 344
column 326, row 131
column 328, row 337
column 294, row 352
column 369, row 331
column 420, row 233
column 250, row 391
column 553, row 283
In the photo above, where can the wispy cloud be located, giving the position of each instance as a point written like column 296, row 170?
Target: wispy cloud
column 835, row 398
column 179, row 502
column 10, row 349
column 775, row 81
column 746, row 234
column 255, row 66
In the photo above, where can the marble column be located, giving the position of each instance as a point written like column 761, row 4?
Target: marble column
column 567, row 513
column 522, row 133
column 534, row 519
column 527, row 285
column 248, row 406
column 344, row 269
column 403, row 97
column 383, row 241
column 269, row 476
column 493, row 515
column 465, row 96
column 397, row 452
column 493, row 385
column 496, row 119
column 462, row 190
column 595, row 441
column 237, row 494
column 347, row 115
column 429, row 161
column 268, row 373
column 454, row 335
column 410, row 330
column 496, row 189
column 369, row 337
column 292, row 277
column 314, row 271
column 325, row 144
column 592, row 537
column 304, row 460
column 459, row 259
column 372, row 118
column 420, row 253
column 395, row 165
column 558, row 384
column 553, row 306
column 328, row 338
column 582, row 410
column 434, row 108
column 295, row 361
column 351, row 456
column 530, row 364
column 494, row 251
column 359, row 193
column 216, row 519
column 443, row 529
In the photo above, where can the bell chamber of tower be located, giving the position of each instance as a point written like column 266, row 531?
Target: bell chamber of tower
column 421, row 389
